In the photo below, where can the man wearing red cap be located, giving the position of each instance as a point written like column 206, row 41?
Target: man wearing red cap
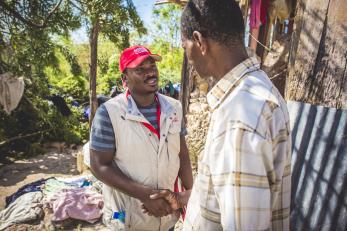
column 137, row 147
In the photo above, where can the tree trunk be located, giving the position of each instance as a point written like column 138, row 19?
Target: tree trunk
column 93, row 40
column 317, row 63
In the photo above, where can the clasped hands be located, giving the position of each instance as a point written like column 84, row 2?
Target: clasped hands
column 162, row 203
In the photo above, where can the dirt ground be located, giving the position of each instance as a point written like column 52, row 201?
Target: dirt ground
column 24, row 171
column 16, row 172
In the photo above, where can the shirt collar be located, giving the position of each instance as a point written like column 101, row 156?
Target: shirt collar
column 166, row 107
column 225, row 85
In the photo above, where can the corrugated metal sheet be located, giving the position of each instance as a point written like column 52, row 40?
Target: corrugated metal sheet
column 319, row 167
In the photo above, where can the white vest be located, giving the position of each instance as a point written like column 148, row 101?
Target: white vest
column 143, row 158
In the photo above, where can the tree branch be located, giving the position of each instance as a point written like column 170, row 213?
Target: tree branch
column 76, row 6
column 180, row 2
column 18, row 16
column 23, row 136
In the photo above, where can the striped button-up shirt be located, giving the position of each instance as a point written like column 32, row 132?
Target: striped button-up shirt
column 244, row 173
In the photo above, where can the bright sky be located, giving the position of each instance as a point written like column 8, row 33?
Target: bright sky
column 143, row 7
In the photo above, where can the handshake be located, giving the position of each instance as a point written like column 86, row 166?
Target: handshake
column 164, row 202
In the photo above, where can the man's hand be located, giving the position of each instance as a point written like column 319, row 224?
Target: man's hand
column 171, row 197
column 175, row 200
column 156, row 207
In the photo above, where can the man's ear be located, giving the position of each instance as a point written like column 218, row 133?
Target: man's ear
column 200, row 41
column 124, row 77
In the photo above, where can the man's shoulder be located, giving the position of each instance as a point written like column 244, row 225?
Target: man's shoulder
column 117, row 101
column 252, row 103
column 170, row 100
column 257, row 87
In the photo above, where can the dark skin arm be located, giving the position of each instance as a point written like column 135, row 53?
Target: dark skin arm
column 107, row 171
column 185, row 172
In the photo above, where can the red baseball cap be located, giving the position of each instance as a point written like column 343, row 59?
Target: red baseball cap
column 133, row 56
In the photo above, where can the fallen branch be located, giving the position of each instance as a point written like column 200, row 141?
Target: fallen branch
column 22, row 137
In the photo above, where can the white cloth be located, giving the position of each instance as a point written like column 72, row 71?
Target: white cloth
column 11, row 91
column 77, row 181
column 86, row 154
column 26, row 208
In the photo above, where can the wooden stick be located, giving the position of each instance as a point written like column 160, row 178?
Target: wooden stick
column 24, row 136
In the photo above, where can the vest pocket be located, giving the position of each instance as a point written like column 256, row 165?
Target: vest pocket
column 173, row 140
column 138, row 220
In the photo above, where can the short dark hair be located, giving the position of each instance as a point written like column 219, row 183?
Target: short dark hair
column 220, row 20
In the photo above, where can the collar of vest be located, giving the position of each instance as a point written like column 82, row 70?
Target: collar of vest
column 133, row 113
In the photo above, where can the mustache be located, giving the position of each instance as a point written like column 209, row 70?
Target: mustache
column 150, row 78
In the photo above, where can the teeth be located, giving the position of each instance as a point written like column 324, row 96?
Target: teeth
column 152, row 81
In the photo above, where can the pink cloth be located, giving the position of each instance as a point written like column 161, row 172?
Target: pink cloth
column 80, row 203
column 254, row 18
column 258, row 15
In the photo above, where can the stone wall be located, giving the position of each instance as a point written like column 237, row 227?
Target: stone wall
column 198, row 116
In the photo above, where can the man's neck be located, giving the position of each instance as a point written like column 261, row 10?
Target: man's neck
column 226, row 60
column 143, row 100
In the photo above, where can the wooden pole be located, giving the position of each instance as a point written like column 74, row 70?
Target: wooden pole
column 94, row 34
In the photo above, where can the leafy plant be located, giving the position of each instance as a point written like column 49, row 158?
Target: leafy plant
column 166, row 41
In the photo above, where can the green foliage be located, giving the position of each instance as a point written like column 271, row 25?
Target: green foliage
column 74, row 86
column 69, row 129
column 167, row 24
column 115, row 19
column 111, row 78
column 82, row 52
column 67, row 76
column 35, row 114
column 166, row 42
column 71, row 59
column 171, row 64
column 34, row 43
column 27, row 49
column 108, row 62
column 30, row 54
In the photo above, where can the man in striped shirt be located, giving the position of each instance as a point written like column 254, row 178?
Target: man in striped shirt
column 137, row 147
column 244, row 178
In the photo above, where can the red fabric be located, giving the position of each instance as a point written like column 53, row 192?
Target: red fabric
column 258, row 15
column 263, row 11
column 254, row 18
column 133, row 56
column 148, row 125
